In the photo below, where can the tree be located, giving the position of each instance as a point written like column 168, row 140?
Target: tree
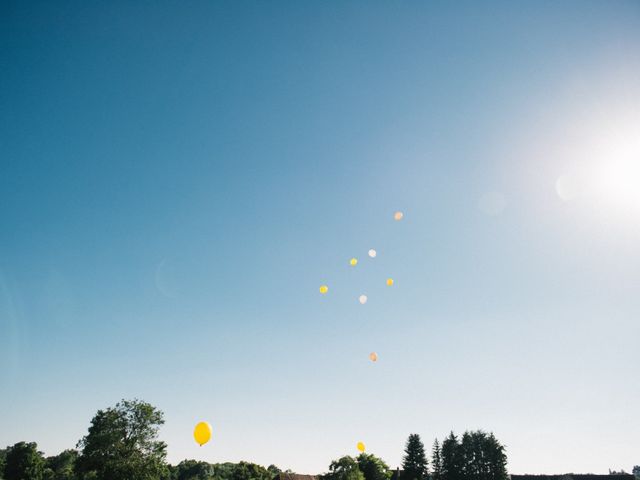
column 636, row 471
column 372, row 467
column 414, row 463
column 496, row 459
column 345, row 468
column 250, row 471
column 3, row 457
column 24, row 462
column 436, row 461
column 478, row 456
column 223, row 471
column 274, row 471
column 192, row 470
column 61, row 466
column 451, row 461
column 122, row 444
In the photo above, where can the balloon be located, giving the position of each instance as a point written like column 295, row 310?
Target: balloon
column 353, row 262
column 324, row 289
column 362, row 299
column 398, row 216
column 372, row 253
column 373, row 356
column 360, row 447
column 389, row 281
column 202, row 433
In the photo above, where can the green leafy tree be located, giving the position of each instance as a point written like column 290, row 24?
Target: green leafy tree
column 24, row 462
column 415, row 463
column 250, row 471
column 192, row 470
column 122, row 444
column 3, row 458
column 436, row 461
column 61, row 466
column 223, row 471
column 372, row 467
column 345, row 468
column 274, row 471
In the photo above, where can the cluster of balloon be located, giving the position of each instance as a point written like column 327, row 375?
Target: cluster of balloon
column 202, row 433
column 397, row 216
column 373, row 356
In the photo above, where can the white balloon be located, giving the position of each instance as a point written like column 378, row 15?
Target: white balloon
column 373, row 253
column 362, row 299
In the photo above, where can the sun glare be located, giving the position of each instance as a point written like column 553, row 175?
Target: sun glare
column 615, row 180
column 607, row 176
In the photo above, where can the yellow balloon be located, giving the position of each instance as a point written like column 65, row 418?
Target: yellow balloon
column 202, row 433
column 361, row 447
column 324, row 289
column 353, row 262
column 389, row 281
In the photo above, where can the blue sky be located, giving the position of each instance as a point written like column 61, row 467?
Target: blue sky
column 178, row 179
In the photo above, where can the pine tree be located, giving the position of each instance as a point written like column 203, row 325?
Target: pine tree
column 451, row 459
column 497, row 459
column 436, row 461
column 415, row 463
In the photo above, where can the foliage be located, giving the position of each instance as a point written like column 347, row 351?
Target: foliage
column 250, row 471
column 415, row 463
column 192, row 470
column 451, row 459
column 3, row 457
column 274, row 471
column 372, row 467
column 436, row 461
column 24, row 462
column 345, row 468
column 61, row 466
column 122, row 444
column 478, row 456
column 636, row 471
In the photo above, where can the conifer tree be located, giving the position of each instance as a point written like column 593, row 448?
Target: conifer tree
column 436, row 461
column 414, row 463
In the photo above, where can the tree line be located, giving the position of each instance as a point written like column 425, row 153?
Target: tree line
column 475, row 456
column 122, row 444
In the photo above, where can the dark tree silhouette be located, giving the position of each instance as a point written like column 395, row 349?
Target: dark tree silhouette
column 451, row 459
column 436, row 461
column 478, row 456
column 414, row 463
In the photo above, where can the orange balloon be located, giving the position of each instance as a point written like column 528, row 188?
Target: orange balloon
column 373, row 356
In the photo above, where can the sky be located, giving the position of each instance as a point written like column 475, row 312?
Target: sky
column 177, row 179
